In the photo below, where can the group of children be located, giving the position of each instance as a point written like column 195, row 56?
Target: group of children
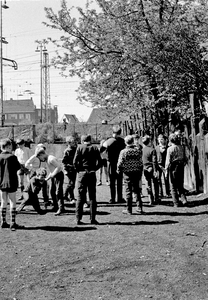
column 163, row 161
column 166, row 160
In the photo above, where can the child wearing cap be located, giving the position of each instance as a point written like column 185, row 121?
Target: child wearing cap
column 69, row 169
column 36, row 183
column 130, row 163
column 9, row 166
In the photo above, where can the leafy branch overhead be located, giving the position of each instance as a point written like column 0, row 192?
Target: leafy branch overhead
column 135, row 54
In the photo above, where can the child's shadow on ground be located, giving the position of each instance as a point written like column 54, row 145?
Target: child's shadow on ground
column 62, row 228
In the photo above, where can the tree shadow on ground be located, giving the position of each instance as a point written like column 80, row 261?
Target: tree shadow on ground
column 164, row 222
column 101, row 213
column 174, row 213
column 61, row 228
column 197, row 203
column 107, row 204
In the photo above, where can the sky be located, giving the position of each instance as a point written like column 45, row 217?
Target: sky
column 22, row 27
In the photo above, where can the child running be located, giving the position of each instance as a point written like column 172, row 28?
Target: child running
column 9, row 166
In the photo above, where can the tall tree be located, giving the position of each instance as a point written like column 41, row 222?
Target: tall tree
column 131, row 54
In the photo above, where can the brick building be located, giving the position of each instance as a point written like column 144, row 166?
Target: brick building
column 19, row 112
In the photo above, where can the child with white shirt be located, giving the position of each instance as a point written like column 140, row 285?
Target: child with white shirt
column 57, row 179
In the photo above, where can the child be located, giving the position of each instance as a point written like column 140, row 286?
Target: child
column 23, row 154
column 139, row 146
column 9, row 166
column 69, row 169
column 36, row 183
column 57, row 179
column 175, row 161
column 104, row 166
column 149, row 158
column 161, row 150
column 130, row 163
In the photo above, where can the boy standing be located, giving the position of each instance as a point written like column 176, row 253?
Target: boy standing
column 113, row 147
column 130, row 164
column 57, row 179
column 69, row 169
column 175, row 161
column 149, row 158
column 161, row 150
column 9, row 166
column 23, row 154
column 87, row 161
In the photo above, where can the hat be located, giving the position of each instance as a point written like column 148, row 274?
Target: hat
column 129, row 140
column 86, row 138
column 20, row 142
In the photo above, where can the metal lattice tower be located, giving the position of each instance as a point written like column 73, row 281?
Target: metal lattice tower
column 46, row 88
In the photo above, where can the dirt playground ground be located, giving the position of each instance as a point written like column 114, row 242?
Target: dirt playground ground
column 159, row 255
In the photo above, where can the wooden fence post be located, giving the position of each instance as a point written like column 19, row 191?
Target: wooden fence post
column 202, row 157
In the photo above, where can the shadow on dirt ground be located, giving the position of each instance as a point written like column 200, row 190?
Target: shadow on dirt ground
column 160, row 255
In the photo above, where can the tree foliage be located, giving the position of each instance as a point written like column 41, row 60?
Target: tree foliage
column 131, row 54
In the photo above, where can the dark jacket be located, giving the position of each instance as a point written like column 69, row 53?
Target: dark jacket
column 35, row 185
column 9, row 166
column 114, row 147
column 68, row 159
column 87, row 158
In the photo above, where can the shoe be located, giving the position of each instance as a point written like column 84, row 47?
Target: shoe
column 158, row 201
column 42, row 212
column 5, row 225
column 94, row 222
column 54, row 209
column 126, row 212
column 183, row 199
column 176, row 204
column 72, row 202
column 99, row 183
column 139, row 211
column 15, row 226
column 111, row 201
column 86, row 205
column 46, row 204
column 59, row 212
column 19, row 209
column 80, row 222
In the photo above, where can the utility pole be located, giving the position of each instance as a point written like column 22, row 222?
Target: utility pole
column 46, row 87
column 1, row 66
column 41, row 48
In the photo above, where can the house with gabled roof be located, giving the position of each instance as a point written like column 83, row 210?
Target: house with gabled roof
column 69, row 119
column 18, row 112
column 24, row 111
column 102, row 116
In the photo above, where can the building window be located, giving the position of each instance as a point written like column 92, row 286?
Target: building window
column 27, row 116
column 21, row 116
column 12, row 116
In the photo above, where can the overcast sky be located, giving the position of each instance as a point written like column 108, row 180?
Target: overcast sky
column 22, row 26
